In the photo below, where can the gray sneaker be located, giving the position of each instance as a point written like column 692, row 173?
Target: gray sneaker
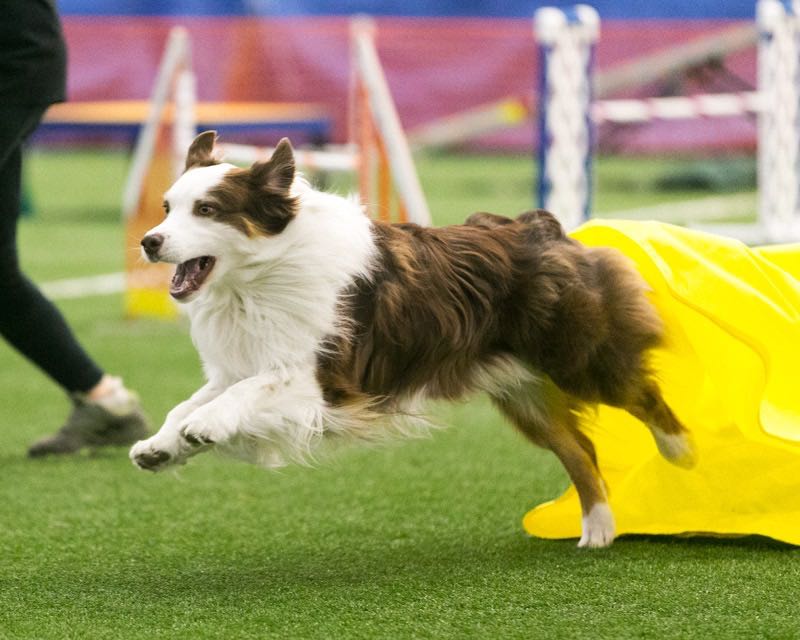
column 91, row 425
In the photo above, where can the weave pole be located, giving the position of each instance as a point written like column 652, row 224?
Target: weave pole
column 566, row 39
column 566, row 111
column 779, row 120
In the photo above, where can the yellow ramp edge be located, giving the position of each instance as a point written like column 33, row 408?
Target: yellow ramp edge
column 730, row 369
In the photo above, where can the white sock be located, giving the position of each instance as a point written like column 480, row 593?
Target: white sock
column 118, row 399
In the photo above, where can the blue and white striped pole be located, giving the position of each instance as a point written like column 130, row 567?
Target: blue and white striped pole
column 779, row 119
column 567, row 38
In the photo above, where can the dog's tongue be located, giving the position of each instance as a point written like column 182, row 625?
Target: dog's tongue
column 189, row 276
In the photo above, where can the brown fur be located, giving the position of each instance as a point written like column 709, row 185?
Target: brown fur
column 444, row 306
column 255, row 201
column 201, row 151
column 446, row 299
column 445, row 302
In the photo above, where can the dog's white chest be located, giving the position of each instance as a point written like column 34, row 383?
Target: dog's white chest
column 235, row 344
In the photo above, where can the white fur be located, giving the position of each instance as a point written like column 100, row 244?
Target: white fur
column 598, row 527
column 258, row 322
column 506, row 376
column 678, row 448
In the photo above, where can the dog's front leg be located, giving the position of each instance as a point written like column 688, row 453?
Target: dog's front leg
column 167, row 447
column 263, row 419
column 220, row 420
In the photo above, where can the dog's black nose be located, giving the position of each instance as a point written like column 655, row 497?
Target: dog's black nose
column 152, row 243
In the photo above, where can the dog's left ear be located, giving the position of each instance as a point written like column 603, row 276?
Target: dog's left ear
column 201, row 151
column 276, row 174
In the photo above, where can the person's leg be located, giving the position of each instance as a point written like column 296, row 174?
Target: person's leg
column 31, row 323
column 28, row 321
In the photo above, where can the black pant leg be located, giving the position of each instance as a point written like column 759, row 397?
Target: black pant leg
column 28, row 321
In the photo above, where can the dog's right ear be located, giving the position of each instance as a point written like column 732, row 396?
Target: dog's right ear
column 201, row 151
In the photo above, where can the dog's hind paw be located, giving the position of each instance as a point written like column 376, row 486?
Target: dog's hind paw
column 598, row 527
column 677, row 448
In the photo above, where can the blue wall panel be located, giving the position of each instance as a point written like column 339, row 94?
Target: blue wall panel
column 741, row 9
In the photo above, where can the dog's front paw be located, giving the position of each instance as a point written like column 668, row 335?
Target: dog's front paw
column 148, row 455
column 198, row 435
column 204, row 427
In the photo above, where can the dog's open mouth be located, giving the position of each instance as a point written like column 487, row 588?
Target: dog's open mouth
column 190, row 275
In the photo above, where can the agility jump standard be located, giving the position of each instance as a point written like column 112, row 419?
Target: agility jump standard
column 567, row 116
column 378, row 150
column 158, row 158
column 378, row 153
column 512, row 111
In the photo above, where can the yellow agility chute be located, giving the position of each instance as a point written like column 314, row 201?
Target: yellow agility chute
column 730, row 369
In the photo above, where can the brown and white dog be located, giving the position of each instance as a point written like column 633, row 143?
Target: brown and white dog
column 313, row 320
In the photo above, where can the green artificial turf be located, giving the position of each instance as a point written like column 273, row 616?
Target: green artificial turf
column 417, row 539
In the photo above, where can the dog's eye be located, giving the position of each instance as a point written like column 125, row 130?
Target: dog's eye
column 166, row 208
column 205, row 209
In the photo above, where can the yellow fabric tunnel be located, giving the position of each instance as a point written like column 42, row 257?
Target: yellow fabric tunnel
column 730, row 369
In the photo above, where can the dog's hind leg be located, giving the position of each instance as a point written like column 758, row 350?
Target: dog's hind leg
column 546, row 415
column 673, row 440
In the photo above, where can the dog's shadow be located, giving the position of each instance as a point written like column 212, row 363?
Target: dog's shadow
column 327, row 573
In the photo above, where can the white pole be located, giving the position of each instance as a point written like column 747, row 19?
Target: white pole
column 387, row 122
column 184, row 127
column 567, row 39
column 341, row 159
column 175, row 54
column 779, row 121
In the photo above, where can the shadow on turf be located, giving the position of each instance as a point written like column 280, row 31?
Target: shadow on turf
column 707, row 540
column 329, row 573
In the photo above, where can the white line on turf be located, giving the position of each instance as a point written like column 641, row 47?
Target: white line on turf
column 708, row 209
column 100, row 285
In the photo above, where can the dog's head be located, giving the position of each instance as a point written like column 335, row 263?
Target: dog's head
column 218, row 216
